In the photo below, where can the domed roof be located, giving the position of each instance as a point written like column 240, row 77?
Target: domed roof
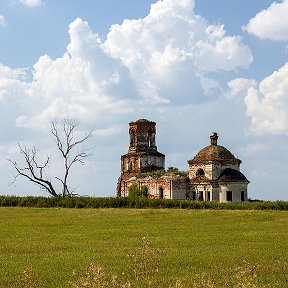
column 232, row 175
column 214, row 152
column 142, row 120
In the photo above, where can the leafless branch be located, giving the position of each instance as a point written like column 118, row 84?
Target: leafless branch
column 32, row 170
column 64, row 138
column 66, row 142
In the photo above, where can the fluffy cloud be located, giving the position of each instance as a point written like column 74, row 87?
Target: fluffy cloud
column 132, row 69
column 84, row 82
column 271, row 23
column 12, row 84
column 31, row 3
column 238, row 87
column 267, row 104
column 174, row 43
column 2, row 21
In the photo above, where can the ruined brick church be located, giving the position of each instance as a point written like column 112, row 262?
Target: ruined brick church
column 214, row 173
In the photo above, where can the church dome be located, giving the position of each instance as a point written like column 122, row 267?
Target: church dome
column 232, row 175
column 214, row 152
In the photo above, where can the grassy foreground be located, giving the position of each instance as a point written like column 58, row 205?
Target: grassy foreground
column 212, row 248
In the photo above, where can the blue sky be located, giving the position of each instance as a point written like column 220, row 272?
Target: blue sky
column 42, row 29
column 192, row 66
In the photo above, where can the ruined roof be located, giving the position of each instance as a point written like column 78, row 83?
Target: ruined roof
column 213, row 153
column 232, row 175
column 142, row 121
column 143, row 153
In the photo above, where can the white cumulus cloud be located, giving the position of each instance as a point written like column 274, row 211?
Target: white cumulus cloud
column 271, row 23
column 267, row 104
column 174, row 43
column 2, row 21
column 238, row 87
column 11, row 81
column 31, row 3
column 84, row 82
column 161, row 59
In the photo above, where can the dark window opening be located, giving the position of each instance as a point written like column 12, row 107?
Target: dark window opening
column 149, row 138
column 229, row 196
column 193, row 195
column 130, row 166
column 132, row 138
column 200, row 172
column 208, row 196
column 200, row 196
column 242, row 196
column 161, row 192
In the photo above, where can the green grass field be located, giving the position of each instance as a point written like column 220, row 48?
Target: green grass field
column 217, row 246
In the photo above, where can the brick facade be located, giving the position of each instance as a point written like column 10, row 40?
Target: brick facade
column 214, row 173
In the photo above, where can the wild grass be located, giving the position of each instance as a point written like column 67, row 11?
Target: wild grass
column 142, row 248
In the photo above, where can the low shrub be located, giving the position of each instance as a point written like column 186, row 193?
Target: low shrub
column 134, row 202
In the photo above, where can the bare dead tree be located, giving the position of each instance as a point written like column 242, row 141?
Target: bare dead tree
column 64, row 136
column 65, row 140
column 33, row 170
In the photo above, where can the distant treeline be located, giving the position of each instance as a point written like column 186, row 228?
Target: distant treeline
column 138, row 202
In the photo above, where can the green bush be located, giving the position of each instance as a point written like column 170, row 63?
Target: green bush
column 144, row 191
column 134, row 191
column 139, row 201
column 159, row 173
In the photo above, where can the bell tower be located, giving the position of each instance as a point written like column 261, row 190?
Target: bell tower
column 142, row 154
column 142, row 136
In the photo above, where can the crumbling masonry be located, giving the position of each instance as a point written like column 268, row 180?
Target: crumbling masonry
column 214, row 173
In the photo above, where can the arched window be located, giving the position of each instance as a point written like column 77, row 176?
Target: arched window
column 132, row 138
column 149, row 138
column 130, row 166
column 200, row 172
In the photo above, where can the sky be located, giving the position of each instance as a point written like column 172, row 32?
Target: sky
column 194, row 67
